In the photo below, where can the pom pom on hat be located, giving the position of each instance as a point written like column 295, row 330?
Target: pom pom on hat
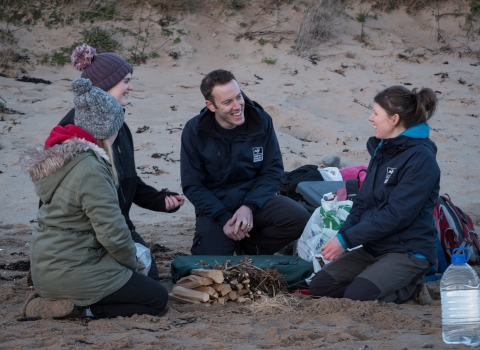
column 83, row 56
column 105, row 70
column 96, row 111
column 81, row 86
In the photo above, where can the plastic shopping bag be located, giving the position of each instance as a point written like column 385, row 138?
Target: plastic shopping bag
column 331, row 174
column 144, row 257
column 324, row 224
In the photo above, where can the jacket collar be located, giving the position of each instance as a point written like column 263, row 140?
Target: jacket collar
column 253, row 120
column 399, row 143
column 42, row 162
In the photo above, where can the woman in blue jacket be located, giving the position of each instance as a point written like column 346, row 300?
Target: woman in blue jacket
column 392, row 215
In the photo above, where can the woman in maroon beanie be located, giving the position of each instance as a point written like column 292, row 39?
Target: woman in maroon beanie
column 113, row 74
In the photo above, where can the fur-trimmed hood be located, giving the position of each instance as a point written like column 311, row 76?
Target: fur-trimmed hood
column 47, row 167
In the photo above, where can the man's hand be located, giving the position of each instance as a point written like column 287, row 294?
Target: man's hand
column 229, row 230
column 173, row 202
column 240, row 224
column 243, row 219
column 332, row 249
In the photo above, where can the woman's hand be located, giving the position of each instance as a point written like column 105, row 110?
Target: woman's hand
column 173, row 202
column 332, row 249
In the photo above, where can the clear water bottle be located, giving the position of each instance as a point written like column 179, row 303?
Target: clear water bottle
column 460, row 293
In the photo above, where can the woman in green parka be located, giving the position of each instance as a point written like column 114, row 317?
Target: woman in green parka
column 83, row 259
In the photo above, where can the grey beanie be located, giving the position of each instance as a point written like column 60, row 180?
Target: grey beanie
column 96, row 111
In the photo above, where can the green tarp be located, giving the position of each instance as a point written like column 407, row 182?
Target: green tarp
column 293, row 269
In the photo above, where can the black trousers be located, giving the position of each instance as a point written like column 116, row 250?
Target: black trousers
column 279, row 222
column 358, row 275
column 141, row 295
column 153, row 272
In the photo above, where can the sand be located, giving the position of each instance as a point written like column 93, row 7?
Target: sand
column 314, row 114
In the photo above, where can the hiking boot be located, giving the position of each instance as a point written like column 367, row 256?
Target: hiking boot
column 421, row 295
column 56, row 309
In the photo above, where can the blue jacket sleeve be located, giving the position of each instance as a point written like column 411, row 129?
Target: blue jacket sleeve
column 403, row 206
column 193, row 177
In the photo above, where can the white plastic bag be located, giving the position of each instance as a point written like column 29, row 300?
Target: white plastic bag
column 145, row 257
column 331, row 174
column 323, row 225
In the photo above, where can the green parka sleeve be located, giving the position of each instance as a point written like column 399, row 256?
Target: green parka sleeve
column 98, row 197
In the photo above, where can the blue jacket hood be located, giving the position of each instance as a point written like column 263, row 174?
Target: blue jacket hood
column 419, row 131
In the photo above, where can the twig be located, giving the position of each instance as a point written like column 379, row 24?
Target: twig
column 236, row 31
column 362, row 104
column 147, row 30
column 138, row 34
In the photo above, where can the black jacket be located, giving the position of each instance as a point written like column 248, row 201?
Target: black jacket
column 393, row 211
column 131, row 188
column 217, row 179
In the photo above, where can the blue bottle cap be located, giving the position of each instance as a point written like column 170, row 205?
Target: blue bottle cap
column 460, row 258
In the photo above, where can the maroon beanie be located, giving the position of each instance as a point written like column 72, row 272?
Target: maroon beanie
column 104, row 70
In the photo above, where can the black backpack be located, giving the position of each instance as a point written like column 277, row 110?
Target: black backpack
column 291, row 179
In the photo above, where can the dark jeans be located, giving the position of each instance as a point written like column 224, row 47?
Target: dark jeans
column 279, row 222
column 153, row 272
column 141, row 295
column 358, row 275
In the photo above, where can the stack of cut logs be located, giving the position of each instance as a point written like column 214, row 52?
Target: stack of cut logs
column 210, row 287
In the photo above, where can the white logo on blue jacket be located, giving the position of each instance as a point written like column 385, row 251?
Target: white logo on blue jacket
column 257, row 154
column 389, row 173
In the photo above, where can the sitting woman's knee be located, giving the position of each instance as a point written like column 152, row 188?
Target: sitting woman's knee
column 322, row 284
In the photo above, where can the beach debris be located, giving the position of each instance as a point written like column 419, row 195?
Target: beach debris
column 442, row 75
column 462, row 81
column 159, row 171
column 331, row 161
column 33, row 80
column 5, row 110
column 172, row 129
column 362, row 104
column 313, row 59
column 473, row 115
column 258, row 77
column 407, row 84
column 173, row 108
column 165, row 156
column 142, row 129
column 21, row 265
column 445, row 62
column 26, row 319
column 427, row 346
column 340, row 71
column 173, row 55
column 289, row 84
column 182, row 321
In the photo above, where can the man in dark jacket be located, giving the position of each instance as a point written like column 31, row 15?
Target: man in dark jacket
column 231, row 166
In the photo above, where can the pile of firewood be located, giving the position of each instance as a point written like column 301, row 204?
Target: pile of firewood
column 211, row 287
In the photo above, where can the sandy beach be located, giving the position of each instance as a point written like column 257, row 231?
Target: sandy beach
column 319, row 105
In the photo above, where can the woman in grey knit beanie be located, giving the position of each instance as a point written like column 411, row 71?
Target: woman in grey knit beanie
column 83, row 258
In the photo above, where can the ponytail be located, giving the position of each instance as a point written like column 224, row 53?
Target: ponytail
column 426, row 104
